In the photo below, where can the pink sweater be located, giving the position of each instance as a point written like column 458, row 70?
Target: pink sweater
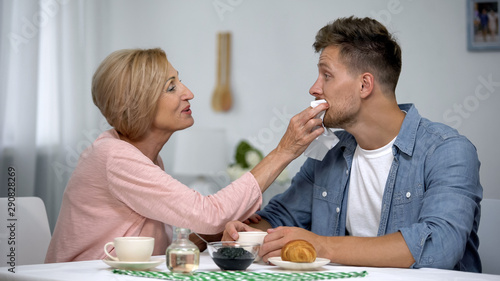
column 116, row 190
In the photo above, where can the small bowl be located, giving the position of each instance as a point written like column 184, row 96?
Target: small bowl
column 229, row 255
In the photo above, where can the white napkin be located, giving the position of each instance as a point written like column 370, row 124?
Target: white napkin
column 322, row 144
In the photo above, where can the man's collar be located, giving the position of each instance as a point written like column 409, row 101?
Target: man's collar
column 408, row 132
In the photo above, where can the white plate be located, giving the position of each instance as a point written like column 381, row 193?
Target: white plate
column 299, row 265
column 138, row 265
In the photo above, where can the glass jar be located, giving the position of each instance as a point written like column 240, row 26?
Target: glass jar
column 183, row 256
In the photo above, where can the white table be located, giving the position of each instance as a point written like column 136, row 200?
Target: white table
column 97, row 270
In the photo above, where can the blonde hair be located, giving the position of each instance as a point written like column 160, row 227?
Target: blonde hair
column 126, row 88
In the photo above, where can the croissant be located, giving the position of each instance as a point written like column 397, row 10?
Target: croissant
column 298, row 251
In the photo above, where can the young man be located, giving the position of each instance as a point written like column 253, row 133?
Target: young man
column 397, row 190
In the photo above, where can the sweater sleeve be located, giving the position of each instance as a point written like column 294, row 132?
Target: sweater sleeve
column 146, row 189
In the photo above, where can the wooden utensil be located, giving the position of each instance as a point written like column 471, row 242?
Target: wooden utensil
column 216, row 95
column 222, row 99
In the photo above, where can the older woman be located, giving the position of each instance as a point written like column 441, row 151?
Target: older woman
column 119, row 187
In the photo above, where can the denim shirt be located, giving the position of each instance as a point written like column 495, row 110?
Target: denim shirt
column 432, row 194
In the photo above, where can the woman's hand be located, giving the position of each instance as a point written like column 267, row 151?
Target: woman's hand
column 302, row 130
column 232, row 229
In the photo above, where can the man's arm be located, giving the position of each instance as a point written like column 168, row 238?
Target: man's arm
column 383, row 251
column 262, row 225
column 445, row 232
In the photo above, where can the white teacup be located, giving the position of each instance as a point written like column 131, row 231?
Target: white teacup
column 253, row 237
column 131, row 248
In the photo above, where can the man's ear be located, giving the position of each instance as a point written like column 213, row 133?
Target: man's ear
column 366, row 87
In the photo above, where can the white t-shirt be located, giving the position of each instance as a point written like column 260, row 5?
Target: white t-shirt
column 369, row 172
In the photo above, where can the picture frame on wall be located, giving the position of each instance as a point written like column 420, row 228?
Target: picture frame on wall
column 483, row 25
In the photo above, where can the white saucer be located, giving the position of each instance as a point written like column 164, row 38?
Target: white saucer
column 137, row 265
column 299, row 265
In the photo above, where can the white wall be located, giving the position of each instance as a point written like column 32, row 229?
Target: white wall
column 274, row 64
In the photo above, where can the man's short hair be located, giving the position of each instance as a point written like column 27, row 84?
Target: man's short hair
column 365, row 46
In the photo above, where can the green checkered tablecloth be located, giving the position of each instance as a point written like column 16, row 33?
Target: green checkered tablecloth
column 242, row 275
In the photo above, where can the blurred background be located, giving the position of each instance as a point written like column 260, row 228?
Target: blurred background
column 50, row 49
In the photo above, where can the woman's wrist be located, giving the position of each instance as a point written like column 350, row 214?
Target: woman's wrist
column 269, row 168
